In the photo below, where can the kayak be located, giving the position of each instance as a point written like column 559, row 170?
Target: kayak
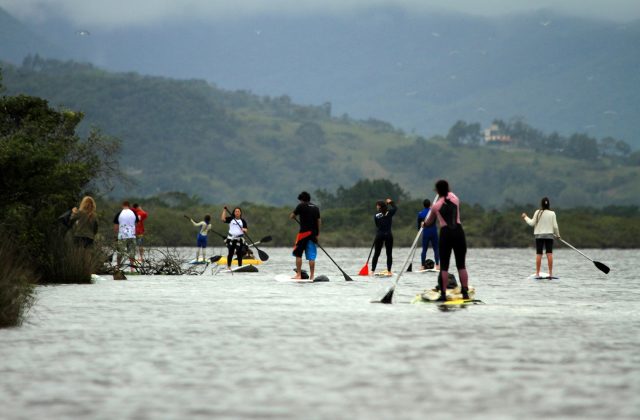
column 252, row 261
column 452, row 295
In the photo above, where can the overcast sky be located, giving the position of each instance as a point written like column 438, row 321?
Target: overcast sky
column 108, row 13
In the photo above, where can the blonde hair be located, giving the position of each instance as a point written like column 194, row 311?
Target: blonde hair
column 88, row 206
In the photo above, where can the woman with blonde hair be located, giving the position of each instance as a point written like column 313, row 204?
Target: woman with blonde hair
column 84, row 222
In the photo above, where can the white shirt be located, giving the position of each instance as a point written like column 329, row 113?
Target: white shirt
column 235, row 227
column 127, row 224
column 544, row 223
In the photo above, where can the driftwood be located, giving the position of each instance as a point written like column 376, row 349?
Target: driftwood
column 165, row 262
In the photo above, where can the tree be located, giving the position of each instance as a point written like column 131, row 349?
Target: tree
column 581, row 146
column 463, row 133
column 362, row 194
column 44, row 168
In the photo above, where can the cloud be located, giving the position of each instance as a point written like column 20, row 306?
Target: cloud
column 115, row 13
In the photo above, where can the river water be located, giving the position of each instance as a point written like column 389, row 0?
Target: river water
column 245, row 346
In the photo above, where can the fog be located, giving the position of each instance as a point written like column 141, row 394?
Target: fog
column 140, row 12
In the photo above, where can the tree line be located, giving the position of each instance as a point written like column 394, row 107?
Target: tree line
column 577, row 145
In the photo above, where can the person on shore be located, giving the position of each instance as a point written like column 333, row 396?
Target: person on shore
column 142, row 215
column 124, row 226
column 84, row 222
column 452, row 238
column 201, row 240
column 545, row 228
column 383, row 218
column 235, row 238
column 308, row 234
column 429, row 236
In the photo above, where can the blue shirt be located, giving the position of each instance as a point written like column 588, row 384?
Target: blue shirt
column 423, row 215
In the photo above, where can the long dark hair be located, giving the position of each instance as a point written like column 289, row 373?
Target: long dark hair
column 442, row 188
column 544, row 205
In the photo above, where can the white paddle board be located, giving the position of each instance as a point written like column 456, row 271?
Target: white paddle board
column 543, row 276
column 286, row 278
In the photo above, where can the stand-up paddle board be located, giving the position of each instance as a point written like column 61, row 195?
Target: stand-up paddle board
column 285, row 278
column 242, row 269
column 382, row 274
column 453, row 302
column 427, row 270
column 543, row 276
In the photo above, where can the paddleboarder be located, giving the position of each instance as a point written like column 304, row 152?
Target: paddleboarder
column 545, row 228
column 385, row 211
column 452, row 238
column 429, row 236
column 235, row 238
column 308, row 234
column 201, row 240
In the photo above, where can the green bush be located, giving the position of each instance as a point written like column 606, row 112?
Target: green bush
column 16, row 285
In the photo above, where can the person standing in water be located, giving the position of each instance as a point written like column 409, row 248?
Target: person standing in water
column 383, row 218
column 235, row 238
column 429, row 236
column 308, row 234
column 201, row 241
column 142, row 216
column 545, row 228
column 452, row 238
column 84, row 223
column 124, row 226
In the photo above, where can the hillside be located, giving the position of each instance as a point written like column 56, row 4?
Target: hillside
column 421, row 72
column 190, row 136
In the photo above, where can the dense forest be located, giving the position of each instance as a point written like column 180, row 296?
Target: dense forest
column 347, row 217
column 192, row 137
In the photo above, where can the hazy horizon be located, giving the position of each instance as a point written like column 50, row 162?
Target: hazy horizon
column 119, row 13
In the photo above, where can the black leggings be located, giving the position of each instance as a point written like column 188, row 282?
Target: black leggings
column 452, row 240
column 234, row 246
column 387, row 240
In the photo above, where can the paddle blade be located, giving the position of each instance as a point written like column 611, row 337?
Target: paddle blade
column 388, row 297
column 409, row 268
column 346, row 276
column 215, row 258
column 266, row 239
column 263, row 255
column 602, row 267
column 364, row 271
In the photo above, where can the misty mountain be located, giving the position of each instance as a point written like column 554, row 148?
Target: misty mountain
column 419, row 72
column 223, row 146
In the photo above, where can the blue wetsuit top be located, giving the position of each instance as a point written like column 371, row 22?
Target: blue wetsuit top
column 423, row 215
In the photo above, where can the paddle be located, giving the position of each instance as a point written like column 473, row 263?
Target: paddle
column 411, row 263
column 364, row 271
column 212, row 231
column 265, row 239
column 598, row 264
column 388, row 296
column 261, row 254
column 346, row 276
